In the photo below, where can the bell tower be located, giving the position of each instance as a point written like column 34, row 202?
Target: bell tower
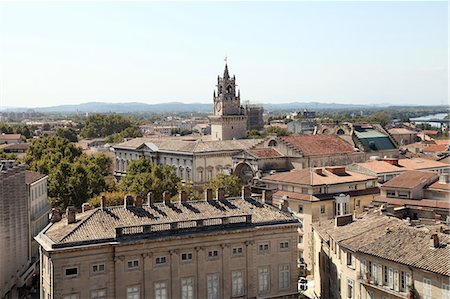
column 229, row 120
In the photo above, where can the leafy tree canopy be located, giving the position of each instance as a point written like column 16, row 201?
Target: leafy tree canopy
column 143, row 177
column 102, row 125
column 277, row 130
column 231, row 183
column 67, row 133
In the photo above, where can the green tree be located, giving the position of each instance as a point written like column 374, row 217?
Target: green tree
column 250, row 134
column 143, row 177
column 114, row 198
column 231, row 183
column 5, row 156
column 101, row 125
column 383, row 118
column 74, row 177
column 277, row 130
column 68, row 133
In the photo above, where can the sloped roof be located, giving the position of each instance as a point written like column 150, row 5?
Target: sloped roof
column 295, row 195
column 391, row 239
column 401, row 131
column 10, row 136
column 32, row 176
column 410, row 179
column 404, row 164
column 265, row 153
column 99, row 224
column 309, row 176
column 319, row 144
column 374, row 140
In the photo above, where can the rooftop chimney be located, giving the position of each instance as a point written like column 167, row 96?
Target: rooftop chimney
column 166, row 197
column 208, row 194
column 392, row 161
column 318, row 171
column 435, row 240
column 138, row 201
column 267, row 196
column 220, row 193
column 343, row 220
column 71, row 213
column 127, row 201
column 85, row 207
column 183, row 196
column 336, row 169
column 150, row 199
column 103, row 202
column 55, row 215
column 246, row 192
column 285, row 205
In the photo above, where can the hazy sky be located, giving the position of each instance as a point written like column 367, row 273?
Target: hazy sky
column 347, row 52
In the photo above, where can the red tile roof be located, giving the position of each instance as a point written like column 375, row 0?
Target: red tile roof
column 436, row 148
column 410, row 179
column 440, row 186
column 265, row 153
column 319, row 144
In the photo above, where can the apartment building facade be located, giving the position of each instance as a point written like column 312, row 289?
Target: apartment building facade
column 213, row 248
column 380, row 257
column 320, row 193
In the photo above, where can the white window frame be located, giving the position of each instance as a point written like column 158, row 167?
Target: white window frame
column 284, row 245
column 263, row 279
column 213, row 286
column 284, row 277
column 97, row 294
column 213, row 254
column 187, row 288
column 134, row 292
column 161, row 290
column 350, row 283
column 445, row 291
column 160, row 260
column 98, row 270
column 263, row 247
column 134, row 264
column 426, row 288
column 237, row 251
column 237, row 283
column 186, row 257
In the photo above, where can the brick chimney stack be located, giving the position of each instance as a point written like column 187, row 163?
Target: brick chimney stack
column 435, row 241
column 150, row 199
column 183, row 196
column 166, row 197
column 103, row 202
column 246, row 192
column 138, row 201
column 267, row 196
column 85, row 207
column 220, row 193
column 55, row 215
column 71, row 213
column 208, row 194
column 128, row 201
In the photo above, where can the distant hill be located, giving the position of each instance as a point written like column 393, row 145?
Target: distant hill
column 99, row 107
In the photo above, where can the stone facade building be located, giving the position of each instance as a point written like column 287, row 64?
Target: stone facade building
column 213, row 248
column 14, row 229
column 318, row 194
column 193, row 160
column 377, row 257
column 38, row 206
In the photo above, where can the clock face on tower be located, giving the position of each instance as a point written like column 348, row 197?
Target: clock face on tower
column 218, row 107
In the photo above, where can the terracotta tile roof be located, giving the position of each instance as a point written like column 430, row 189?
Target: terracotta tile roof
column 436, row 148
column 10, row 136
column 442, row 141
column 420, row 163
column 97, row 225
column 16, row 147
column 265, row 152
column 439, row 186
column 32, row 176
column 412, row 248
column 391, row 239
column 294, row 195
column 410, row 179
column 319, row 144
column 379, row 167
column 309, row 176
column 401, row 131
column 428, row 203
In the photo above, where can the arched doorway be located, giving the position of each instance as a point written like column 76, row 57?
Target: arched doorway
column 244, row 172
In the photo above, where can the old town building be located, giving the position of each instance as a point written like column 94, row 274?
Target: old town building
column 320, row 193
column 212, row 248
column 194, row 160
column 378, row 257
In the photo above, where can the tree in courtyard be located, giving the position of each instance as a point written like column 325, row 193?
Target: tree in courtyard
column 231, row 183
